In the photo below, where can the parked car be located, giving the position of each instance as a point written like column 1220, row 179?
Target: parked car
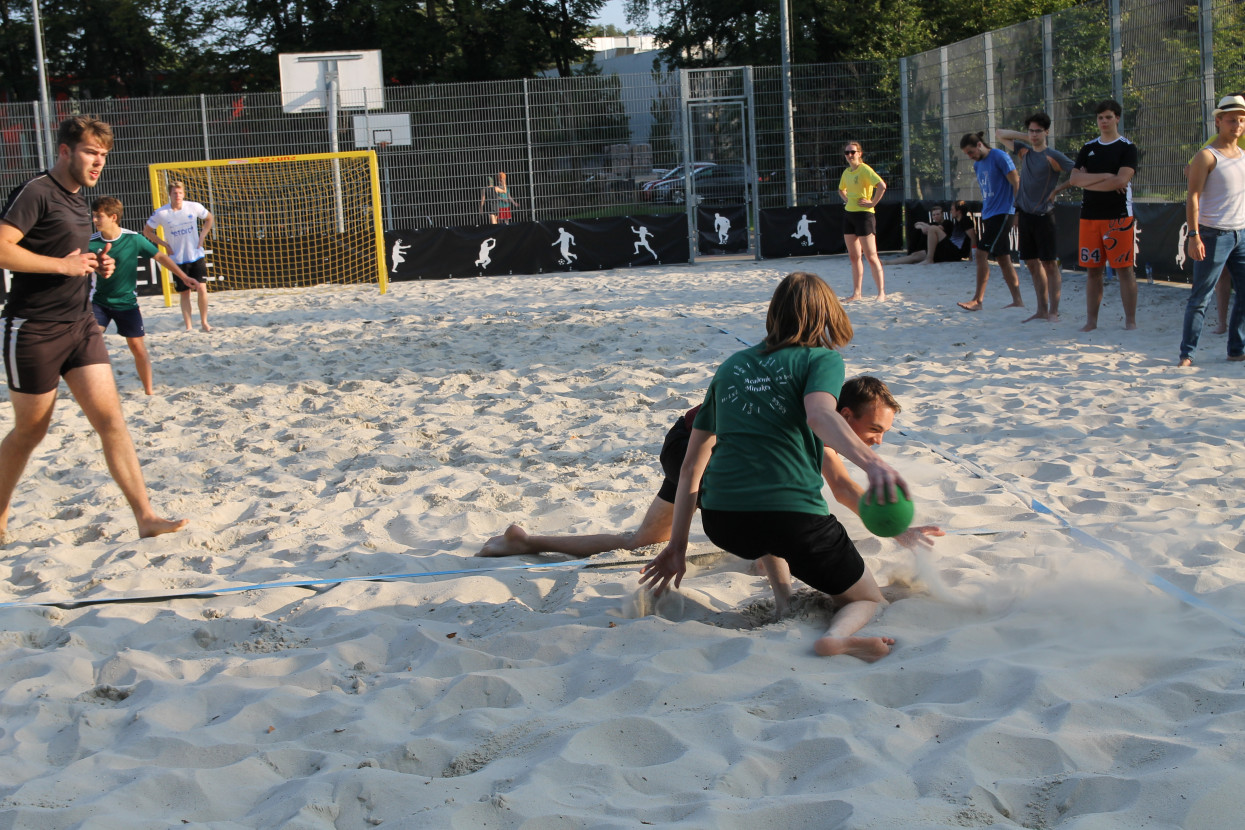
column 648, row 189
column 716, row 184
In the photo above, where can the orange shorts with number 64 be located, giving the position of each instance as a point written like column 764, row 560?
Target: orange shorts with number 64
column 1106, row 242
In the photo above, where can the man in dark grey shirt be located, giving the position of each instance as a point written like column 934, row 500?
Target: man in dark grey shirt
column 1040, row 168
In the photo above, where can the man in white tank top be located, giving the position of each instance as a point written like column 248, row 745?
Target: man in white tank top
column 1215, row 210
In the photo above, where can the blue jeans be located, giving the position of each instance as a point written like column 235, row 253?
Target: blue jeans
column 1222, row 248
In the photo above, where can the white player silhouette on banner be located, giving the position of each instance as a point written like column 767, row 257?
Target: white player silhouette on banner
column 397, row 254
column 723, row 226
column 566, row 241
column 645, row 234
column 802, row 231
column 485, row 247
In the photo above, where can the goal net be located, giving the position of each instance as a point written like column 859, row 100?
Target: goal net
column 284, row 221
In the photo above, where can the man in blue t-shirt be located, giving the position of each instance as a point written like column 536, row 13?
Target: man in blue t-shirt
column 999, row 182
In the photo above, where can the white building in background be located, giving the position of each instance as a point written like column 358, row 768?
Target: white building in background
column 608, row 48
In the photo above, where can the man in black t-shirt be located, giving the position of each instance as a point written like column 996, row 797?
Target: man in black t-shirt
column 1104, row 169
column 50, row 331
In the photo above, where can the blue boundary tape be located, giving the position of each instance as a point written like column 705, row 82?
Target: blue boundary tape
column 204, row 593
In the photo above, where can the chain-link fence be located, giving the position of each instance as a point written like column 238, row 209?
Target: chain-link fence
column 594, row 146
column 1165, row 61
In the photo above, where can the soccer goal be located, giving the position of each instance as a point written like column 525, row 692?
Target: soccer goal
column 284, row 221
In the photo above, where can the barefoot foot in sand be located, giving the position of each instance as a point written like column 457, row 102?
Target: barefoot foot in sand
column 971, row 305
column 155, row 526
column 511, row 543
column 869, row 649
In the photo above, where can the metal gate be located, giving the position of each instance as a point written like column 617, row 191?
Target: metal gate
column 719, row 152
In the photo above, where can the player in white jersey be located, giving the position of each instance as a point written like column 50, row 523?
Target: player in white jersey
column 184, row 240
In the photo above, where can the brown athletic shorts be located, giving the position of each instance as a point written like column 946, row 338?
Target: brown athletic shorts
column 38, row 352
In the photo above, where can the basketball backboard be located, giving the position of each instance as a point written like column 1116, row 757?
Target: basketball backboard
column 305, row 77
column 390, row 129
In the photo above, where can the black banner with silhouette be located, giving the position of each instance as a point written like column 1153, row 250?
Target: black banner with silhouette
column 537, row 247
column 818, row 229
column 722, row 230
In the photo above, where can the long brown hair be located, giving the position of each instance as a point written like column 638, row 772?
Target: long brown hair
column 805, row 312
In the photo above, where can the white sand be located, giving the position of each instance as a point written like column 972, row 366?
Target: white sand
column 328, row 432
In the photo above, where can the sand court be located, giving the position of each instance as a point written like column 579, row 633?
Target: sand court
column 1038, row 680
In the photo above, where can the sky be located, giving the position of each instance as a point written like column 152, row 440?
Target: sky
column 612, row 12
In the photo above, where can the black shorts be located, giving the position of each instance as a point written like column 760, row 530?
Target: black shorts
column 996, row 237
column 816, row 547
column 38, row 352
column 673, row 451
column 129, row 320
column 948, row 251
column 859, row 223
column 196, row 270
column 1037, row 236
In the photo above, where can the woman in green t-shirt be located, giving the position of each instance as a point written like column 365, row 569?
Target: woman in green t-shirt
column 765, row 417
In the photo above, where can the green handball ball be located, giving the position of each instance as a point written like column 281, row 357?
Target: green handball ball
column 886, row 519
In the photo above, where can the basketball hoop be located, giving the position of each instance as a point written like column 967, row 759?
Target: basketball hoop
column 380, row 145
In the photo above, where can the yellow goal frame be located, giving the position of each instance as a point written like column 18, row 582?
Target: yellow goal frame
column 159, row 191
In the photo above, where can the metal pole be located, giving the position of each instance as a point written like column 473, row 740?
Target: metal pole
column 1117, row 54
column 685, row 116
column 1048, row 69
column 48, row 137
column 331, row 77
column 750, row 169
column 987, row 45
column 207, row 152
column 945, row 85
column 1206, row 42
column 906, row 121
column 531, row 168
column 788, row 118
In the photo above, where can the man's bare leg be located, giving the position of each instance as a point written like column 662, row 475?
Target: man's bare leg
column 779, row 574
column 1012, row 279
column 1093, row 297
column 1223, row 297
column 32, row 414
column 858, row 266
column 1128, row 295
column 1038, row 272
column 185, row 304
column 142, row 361
column 654, row 529
column 95, row 391
column 1054, row 289
column 203, row 304
column 983, row 277
column 856, row 607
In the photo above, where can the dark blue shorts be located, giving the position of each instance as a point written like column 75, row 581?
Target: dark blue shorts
column 129, row 320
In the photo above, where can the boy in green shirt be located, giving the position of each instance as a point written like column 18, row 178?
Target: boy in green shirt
column 116, row 297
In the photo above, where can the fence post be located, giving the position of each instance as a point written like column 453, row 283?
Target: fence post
column 207, row 150
column 753, row 194
column 946, row 124
column 685, row 95
column 531, row 168
column 1117, row 54
column 1206, row 42
column 1048, row 67
column 987, row 45
column 905, row 128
